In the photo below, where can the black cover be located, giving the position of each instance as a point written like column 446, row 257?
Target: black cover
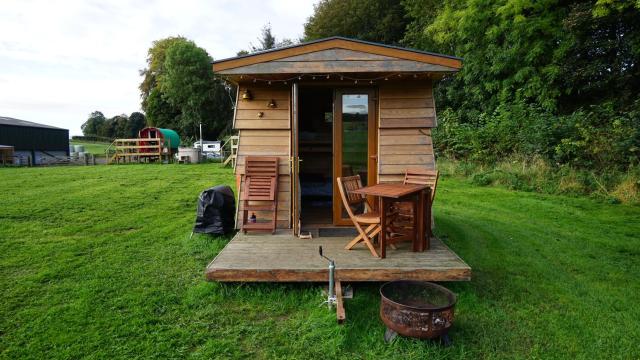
column 216, row 211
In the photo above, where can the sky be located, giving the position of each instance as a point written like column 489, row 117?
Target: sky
column 62, row 60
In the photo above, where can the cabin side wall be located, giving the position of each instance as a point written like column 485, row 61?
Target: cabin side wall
column 406, row 116
column 265, row 131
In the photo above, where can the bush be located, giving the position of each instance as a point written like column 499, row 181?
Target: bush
column 537, row 174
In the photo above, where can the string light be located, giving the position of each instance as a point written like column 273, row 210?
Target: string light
column 328, row 76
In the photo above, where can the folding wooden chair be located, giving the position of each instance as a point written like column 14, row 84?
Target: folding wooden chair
column 368, row 222
column 260, row 186
column 417, row 176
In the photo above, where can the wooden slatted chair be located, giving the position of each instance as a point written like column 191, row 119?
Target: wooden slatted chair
column 260, row 186
column 417, row 176
column 368, row 222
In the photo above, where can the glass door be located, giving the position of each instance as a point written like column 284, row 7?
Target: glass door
column 354, row 142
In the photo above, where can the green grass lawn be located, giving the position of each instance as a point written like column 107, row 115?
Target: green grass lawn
column 96, row 262
column 95, row 148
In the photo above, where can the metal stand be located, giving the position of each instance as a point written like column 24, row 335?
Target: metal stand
column 331, row 298
column 334, row 296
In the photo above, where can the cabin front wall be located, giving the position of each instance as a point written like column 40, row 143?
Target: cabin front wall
column 405, row 117
column 265, row 131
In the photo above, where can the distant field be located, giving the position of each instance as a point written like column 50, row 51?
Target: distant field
column 99, row 264
column 96, row 148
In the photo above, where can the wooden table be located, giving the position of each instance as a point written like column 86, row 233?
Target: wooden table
column 420, row 195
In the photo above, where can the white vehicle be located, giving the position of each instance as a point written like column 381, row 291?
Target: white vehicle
column 211, row 149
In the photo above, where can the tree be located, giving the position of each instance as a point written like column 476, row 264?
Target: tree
column 94, row 123
column 180, row 91
column 372, row 20
column 155, row 66
column 266, row 41
column 539, row 77
column 137, row 122
column 108, row 129
column 120, row 125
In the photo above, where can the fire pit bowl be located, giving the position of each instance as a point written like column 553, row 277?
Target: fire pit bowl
column 417, row 309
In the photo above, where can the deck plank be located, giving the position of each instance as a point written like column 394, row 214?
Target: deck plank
column 284, row 258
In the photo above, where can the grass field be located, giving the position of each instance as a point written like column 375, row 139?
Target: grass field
column 95, row 148
column 96, row 262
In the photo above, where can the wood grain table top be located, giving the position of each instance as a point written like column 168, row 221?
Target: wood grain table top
column 390, row 190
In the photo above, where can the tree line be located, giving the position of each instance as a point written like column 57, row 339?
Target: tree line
column 119, row 126
column 547, row 78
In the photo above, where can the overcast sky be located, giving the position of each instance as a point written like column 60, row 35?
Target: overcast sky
column 61, row 60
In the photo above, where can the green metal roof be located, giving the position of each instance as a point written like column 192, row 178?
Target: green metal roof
column 171, row 138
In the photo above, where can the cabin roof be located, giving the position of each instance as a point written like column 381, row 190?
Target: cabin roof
column 382, row 58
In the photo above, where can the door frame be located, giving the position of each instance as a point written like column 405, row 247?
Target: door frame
column 372, row 144
column 294, row 162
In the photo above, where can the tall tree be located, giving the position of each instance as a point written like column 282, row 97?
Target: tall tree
column 155, row 66
column 179, row 89
column 266, row 41
column 372, row 20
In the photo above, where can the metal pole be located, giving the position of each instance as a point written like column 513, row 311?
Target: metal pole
column 201, row 145
column 332, row 290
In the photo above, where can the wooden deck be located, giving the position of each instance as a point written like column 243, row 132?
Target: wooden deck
column 284, row 258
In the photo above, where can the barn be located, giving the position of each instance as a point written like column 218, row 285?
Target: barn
column 32, row 142
column 330, row 108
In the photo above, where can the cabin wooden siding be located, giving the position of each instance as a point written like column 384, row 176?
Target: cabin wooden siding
column 406, row 115
column 266, row 135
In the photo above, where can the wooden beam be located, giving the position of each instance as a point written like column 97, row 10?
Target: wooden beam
column 340, row 313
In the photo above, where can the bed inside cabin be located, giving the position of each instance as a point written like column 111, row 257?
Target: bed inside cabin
column 315, row 143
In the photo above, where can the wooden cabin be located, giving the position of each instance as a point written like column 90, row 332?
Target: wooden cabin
column 330, row 108
column 334, row 107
